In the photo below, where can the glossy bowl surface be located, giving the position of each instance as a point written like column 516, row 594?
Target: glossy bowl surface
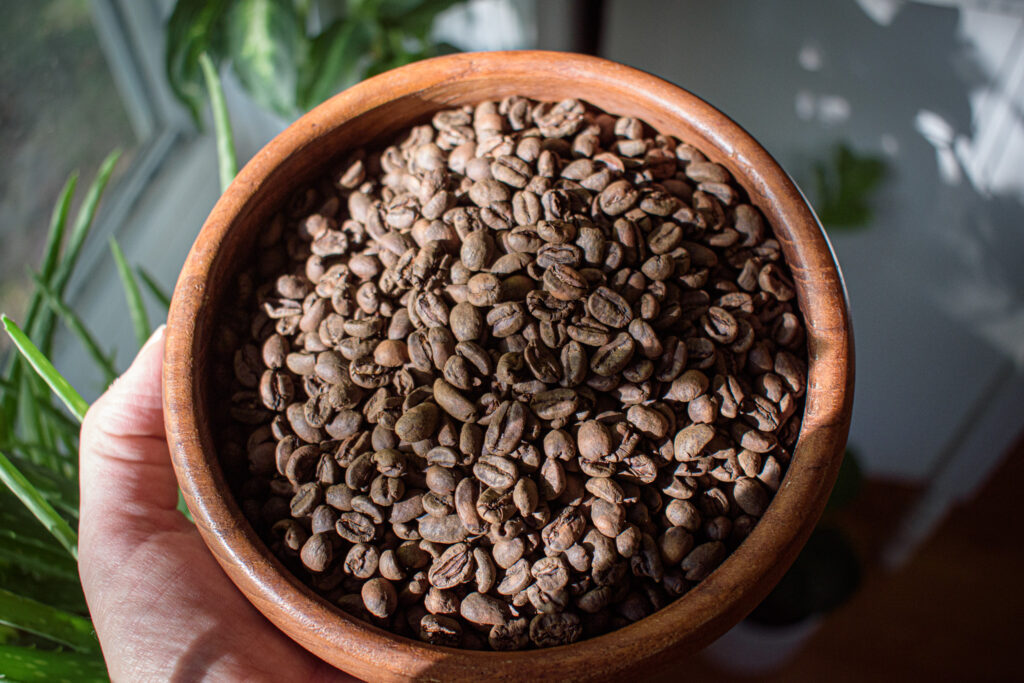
column 371, row 112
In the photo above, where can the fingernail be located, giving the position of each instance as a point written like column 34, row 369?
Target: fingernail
column 157, row 334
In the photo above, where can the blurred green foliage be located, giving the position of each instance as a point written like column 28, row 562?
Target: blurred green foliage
column 290, row 55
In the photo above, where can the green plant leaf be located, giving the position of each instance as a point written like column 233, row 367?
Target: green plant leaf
column 335, row 60
column 154, row 287
column 227, row 161
column 41, row 329
column 31, row 421
column 65, row 594
column 32, row 557
column 183, row 507
column 83, row 223
column 58, row 222
column 34, row 501
column 28, row 665
column 846, row 185
column 401, row 11
column 77, row 327
column 194, row 27
column 51, row 255
column 49, row 622
column 267, row 45
column 136, row 307
column 54, row 240
column 60, row 491
column 41, row 364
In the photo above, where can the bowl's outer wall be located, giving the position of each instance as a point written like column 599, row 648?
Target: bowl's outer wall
column 371, row 112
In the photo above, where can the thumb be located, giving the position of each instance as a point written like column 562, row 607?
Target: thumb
column 125, row 467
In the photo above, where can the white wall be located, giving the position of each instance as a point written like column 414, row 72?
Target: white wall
column 935, row 283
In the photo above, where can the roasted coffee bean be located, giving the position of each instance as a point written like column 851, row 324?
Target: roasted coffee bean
column 455, row 566
column 564, row 530
column 702, row 560
column 513, row 635
column 530, row 371
column 447, row 529
column 440, row 630
column 379, row 597
column 594, row 440
column 362, row 561
column 453, row 402
column 555, row 404
column 505, row 431
column 317, row 552
column 355, row 527
column 609, row 308
column 418, row 423
column 549, row 630
column 565, row 283
column 614, row 356
column 477, row 608
column 618, row 197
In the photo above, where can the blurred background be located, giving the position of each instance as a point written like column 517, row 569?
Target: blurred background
column 903, row 122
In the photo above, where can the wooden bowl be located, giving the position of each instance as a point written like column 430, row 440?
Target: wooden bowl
column 376, row 109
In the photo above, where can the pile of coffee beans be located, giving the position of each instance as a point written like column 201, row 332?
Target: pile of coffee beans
column 523, row 377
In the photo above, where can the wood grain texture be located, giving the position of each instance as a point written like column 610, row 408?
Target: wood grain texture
column 377, row 108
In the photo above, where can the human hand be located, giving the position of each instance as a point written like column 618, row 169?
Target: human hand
column 162, row 607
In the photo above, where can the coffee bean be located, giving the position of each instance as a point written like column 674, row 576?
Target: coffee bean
column 505, row 430
column 513, row 635
column 355, row 527
column 418, row 423
column 750, row 496
column 495, row 506
column 702, row 560
column 317, row 552
column 447, row 529
column 594, row 440
column 532, row 373
column 440, row 630
column 379, row 597
column 494, row 471
column 484, row 609
column 564, row 282
column 549, row 630
column 618, row 197
column 455, row 566
column 487, row 192
column 453, row 402
column 609, row 308
column 614, row 356
column 564, row 530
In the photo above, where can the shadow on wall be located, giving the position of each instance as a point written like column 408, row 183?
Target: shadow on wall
column 931, row 86
column 937, row 297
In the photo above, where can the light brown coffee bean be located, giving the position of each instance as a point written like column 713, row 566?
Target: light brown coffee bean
column 484, row 609
column 455, row 566
column 379, row 597
column 614, row 356
column 317, row 552
column 564, row 282
column 609, row 308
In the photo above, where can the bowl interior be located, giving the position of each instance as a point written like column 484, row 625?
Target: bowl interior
column 371, row 113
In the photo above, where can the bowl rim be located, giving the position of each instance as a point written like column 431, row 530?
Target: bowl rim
column 688, row 623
